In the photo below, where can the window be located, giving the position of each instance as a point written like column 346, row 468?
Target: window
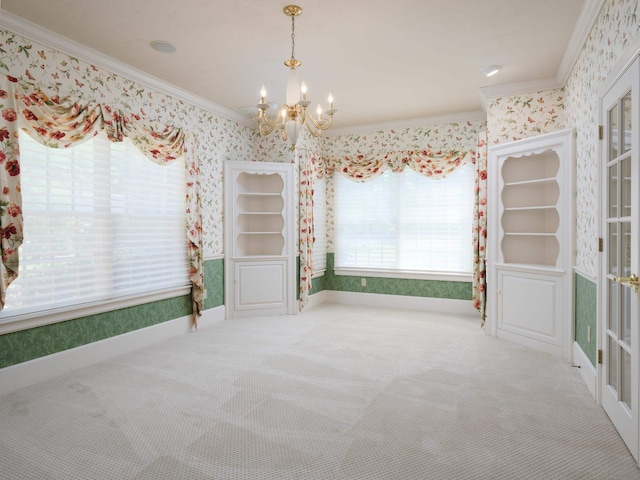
column 101, row 222
column 405, row 222
column 320, row 227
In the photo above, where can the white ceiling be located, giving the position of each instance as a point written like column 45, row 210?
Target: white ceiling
column 384, row 61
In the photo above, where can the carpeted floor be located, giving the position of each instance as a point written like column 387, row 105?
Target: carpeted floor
column 338, row 392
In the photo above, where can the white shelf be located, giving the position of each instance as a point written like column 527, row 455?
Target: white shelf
column 258, row 213
column 536, row 207
column 259, row 194
column 528, row 234
column 535, row 181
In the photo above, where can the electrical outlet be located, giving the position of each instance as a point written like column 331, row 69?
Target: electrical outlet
column 363, row 282
column 588, row 334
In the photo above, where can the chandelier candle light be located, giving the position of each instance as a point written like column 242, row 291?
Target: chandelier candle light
column 296, row 111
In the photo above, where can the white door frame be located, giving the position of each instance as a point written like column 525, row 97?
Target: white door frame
column 615, row 75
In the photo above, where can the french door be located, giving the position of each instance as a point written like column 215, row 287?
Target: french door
column 621, row 262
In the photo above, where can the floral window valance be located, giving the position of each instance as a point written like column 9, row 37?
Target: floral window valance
column 361, row 168
column 61, row 122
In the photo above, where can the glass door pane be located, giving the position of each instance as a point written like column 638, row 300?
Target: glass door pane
column 613, row 132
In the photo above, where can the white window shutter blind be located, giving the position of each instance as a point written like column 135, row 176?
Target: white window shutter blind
column 320, row 226
column 101, row 222
column 405, row 222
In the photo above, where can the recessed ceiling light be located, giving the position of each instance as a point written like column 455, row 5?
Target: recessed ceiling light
column 162, row 46
column 490, row 70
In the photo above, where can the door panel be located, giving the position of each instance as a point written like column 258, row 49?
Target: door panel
column 621, row 262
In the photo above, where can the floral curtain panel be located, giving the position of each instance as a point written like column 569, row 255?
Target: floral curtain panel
column 480, row 229
column 60, row 123
column 310, row 170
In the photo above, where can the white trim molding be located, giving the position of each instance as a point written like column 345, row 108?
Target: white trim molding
column 588, row 16
column 44, row 368
column 65, row 45
column 316, row 300
column 403, row 274
column 587, row 370
column 589, row 276
column 439, row 305
column 38, row 319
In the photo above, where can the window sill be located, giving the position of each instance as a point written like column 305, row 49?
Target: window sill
column 404, row 274
column 319, row 273
column 37, row 319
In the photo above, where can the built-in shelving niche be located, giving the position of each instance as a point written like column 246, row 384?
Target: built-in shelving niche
column 259, row 239
column 531, row 232
column 259, row 214
column 530, row 218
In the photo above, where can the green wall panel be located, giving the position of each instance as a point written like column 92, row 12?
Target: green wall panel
column 318, row 284
column 18, row 347
column 214, row 283
column 396, row 286
column 586, row 306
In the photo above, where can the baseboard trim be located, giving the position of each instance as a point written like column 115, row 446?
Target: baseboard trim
column 44, row 368
column 531, row 343
column 316, row 299
column 441, row 305
column 587, row 370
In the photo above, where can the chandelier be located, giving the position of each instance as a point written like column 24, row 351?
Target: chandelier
column 295, row 113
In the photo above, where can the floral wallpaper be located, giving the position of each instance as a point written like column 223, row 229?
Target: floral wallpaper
column 216, row 139
column 616, row 27
column 460, row 136
column 522, row 116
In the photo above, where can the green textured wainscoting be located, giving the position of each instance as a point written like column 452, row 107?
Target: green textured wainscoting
column 318, row 284
column 18, row 347
column 214, row 283
column 395, row 286
column 586, row 305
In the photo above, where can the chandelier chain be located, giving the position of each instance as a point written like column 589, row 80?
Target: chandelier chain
column 293, row 36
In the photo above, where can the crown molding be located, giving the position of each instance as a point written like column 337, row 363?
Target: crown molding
column 588, row 16
column 477, row 115
column 65, row 45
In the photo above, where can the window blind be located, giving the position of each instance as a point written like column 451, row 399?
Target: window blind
column 320, row 226
column 405, row 222
column 101, row 221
